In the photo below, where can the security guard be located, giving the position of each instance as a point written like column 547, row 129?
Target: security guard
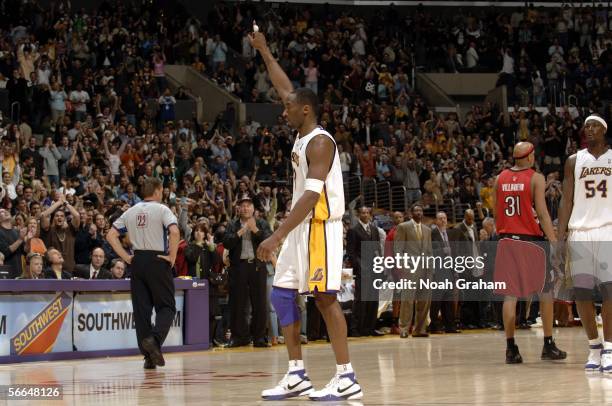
column 148, row 224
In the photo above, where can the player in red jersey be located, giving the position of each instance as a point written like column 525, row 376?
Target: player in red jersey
column 521, row 262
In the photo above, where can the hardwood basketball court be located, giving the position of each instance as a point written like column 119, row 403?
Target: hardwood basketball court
column 466, row 368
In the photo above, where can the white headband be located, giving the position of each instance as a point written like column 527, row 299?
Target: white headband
column 598, row 119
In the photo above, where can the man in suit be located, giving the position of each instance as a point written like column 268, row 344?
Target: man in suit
column 96, row 269
column 443, row 300
column 247, row 276
column 488, row 249
column 466, row 239
column 414, row 239
column 365, row 310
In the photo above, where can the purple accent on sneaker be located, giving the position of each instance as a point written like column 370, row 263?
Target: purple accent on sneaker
column 300, row 372
column 329, row 398
column 350, row 375
column 286, row 395
column 596, row 346
column 594, row 367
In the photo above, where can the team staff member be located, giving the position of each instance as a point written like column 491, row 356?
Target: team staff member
column 147, row 224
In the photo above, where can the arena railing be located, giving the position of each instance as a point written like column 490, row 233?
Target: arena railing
column 383, row 195
column 399, row 198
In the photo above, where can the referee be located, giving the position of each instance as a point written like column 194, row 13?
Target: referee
column 152, row 284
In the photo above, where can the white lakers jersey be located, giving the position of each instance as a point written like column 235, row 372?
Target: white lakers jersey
column 331, row 202
column 592, row 191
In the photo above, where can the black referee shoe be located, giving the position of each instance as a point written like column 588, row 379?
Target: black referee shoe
column 513, row 356
column 148, row 364
column 149, row 345
column 551, row 352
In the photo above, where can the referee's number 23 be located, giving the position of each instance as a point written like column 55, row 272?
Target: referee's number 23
column 141, row 220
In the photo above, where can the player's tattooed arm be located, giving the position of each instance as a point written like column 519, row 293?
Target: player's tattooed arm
column 567, row 200
column 320, row 154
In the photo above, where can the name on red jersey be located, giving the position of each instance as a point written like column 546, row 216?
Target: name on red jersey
column 513, row 187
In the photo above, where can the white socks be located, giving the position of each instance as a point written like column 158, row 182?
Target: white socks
column 607, row 345
column 344, row 368
column 296, row 365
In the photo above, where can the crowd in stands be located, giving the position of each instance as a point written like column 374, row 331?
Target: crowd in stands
column 87, row 136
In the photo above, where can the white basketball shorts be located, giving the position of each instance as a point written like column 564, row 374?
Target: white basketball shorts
column 310, row 259
column 590, row 256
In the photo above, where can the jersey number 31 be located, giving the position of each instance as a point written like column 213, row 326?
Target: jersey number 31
column 513, row 206
column 591, row 189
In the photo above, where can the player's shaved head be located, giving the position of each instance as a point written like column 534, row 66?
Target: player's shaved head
column 523, row 155
column 522, row 150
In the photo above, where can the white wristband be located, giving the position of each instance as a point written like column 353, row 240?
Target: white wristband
column 314, row 185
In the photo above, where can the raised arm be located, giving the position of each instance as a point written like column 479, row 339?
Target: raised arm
column 279, row 78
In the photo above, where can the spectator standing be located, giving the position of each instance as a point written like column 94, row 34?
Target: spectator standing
column 365, row 305
column 414, row 239
column 12, row 243
column 247, row 275
column 51, row 157
column 60, row 234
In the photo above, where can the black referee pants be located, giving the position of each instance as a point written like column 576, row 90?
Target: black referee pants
column 246, row 282
column 152, row 286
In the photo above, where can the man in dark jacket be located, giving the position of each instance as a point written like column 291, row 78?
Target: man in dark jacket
column 365, row 308
column 444, row 300
column 466, row 237
column 247, row 276
column 96, row 269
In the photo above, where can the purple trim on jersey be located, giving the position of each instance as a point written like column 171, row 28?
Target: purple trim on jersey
column 120, row 230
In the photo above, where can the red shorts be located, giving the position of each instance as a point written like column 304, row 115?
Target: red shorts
column 521, row 264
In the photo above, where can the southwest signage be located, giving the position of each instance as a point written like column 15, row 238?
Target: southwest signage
column 40, row 334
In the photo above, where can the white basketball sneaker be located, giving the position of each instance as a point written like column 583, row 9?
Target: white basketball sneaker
column 594, row 361
column 606, row 361
column 293, row 384
column 341, row 387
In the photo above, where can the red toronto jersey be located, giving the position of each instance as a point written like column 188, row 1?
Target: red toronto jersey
column 514, row 204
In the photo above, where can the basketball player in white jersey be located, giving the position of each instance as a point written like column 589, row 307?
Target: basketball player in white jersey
column 586, row 216
column 310, row 260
